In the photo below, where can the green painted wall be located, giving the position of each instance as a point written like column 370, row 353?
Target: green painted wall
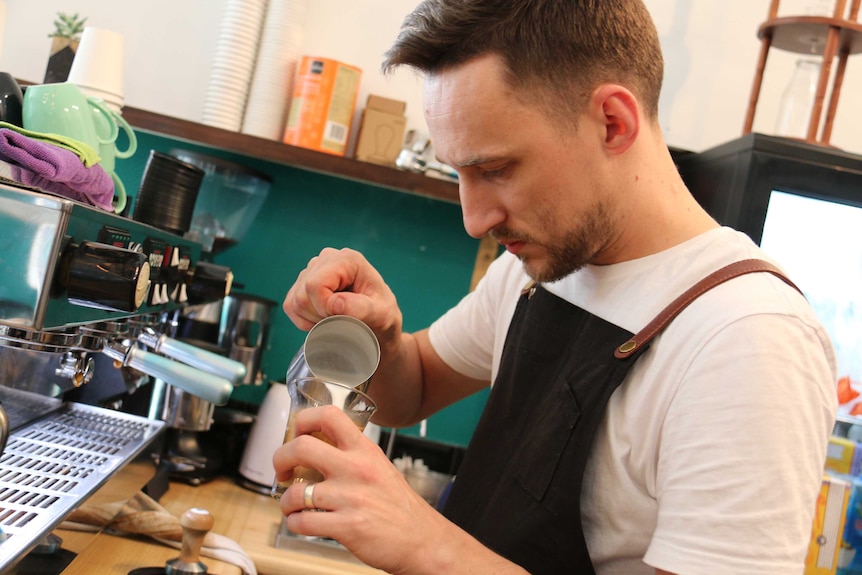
column 418, row 244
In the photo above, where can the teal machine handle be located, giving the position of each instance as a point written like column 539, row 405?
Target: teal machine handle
column 209, row 387
column 202, row 359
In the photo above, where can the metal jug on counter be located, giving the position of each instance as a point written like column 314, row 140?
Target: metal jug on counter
column 339, row 348
column 246, row 321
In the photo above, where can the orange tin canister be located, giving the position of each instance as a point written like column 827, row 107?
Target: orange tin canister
column 324, row 99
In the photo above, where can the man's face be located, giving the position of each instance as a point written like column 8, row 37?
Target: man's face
column 533, row 184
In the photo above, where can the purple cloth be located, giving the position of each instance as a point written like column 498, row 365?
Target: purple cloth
column 56, row 170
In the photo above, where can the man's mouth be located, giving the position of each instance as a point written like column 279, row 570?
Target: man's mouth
column 514, row 247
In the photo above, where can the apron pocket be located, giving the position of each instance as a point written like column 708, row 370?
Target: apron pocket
column 547, row 441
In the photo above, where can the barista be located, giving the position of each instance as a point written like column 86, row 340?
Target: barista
column 664, row 461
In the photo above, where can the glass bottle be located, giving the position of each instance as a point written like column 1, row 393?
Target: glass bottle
column 797, row 101
column 820, row 8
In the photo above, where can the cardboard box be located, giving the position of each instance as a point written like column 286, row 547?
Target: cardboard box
column 324, row 100
column 827, row 533
column 385, row 105
column 381, row 132
column 841, row 455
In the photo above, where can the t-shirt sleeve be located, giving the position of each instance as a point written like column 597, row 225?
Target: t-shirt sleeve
column 739, row 424
column 469, row 336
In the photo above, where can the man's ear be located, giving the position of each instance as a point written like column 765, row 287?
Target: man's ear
column 620, row 115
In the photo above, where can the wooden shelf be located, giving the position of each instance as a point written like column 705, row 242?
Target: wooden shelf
column 807, row 34
column 279, row 153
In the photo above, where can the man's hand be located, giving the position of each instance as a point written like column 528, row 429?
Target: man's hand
column 342, row 282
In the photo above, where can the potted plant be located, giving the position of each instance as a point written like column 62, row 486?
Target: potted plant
column 64, row 41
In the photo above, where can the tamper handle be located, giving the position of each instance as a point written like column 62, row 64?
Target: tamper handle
column 196, row 523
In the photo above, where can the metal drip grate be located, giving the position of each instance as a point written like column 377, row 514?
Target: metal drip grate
column 52, row 465
column 22, row 407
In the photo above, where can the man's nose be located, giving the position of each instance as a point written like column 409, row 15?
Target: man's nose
column 480, row 210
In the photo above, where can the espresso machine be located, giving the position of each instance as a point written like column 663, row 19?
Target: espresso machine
column 88, row 297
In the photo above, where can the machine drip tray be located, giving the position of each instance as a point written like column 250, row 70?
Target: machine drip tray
column 53, row 464
column 316, row 546
column 22, row 407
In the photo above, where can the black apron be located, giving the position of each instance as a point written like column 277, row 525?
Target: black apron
column 518, row 489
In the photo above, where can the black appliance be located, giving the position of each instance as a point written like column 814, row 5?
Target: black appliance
column 802, row 203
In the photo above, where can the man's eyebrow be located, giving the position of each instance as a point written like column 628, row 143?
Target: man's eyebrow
column 474, row 161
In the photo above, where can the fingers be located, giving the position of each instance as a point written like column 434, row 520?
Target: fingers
column 331, row 272
column 331, row 461
column 305, row 450
column 333, row 423
column 364, row 501
column 305, row 302
column 302, row 518
column 294, row 498
column 342, row 282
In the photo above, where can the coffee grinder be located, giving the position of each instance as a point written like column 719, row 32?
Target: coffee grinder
column 203, row 441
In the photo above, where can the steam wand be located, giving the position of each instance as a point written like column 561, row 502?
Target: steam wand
column 209, row 387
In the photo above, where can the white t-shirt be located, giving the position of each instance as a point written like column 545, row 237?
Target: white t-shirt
column 711, row 452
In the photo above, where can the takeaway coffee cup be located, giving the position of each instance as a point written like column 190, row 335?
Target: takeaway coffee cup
column 61, row 108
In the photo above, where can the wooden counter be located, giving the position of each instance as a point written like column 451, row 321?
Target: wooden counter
column 250, row 519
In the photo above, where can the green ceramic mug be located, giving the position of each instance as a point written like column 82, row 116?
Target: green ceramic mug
column 61, row 108
column 109, row 153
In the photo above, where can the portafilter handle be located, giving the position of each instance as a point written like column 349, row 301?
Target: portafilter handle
column 202, row 359
column 207, row 386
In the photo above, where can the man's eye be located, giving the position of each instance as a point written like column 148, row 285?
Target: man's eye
column 497, row 172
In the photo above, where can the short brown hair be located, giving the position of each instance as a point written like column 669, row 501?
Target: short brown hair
column 555, row 50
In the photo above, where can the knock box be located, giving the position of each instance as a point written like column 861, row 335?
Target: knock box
column 381, row 131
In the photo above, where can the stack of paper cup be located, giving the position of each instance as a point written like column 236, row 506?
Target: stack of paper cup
column 272, row 84
column 233, row 64
column 98, row 66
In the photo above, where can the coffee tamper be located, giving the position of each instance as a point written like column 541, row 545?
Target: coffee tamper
column 196, row 524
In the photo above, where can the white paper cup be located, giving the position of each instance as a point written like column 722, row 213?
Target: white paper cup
column 98, row 62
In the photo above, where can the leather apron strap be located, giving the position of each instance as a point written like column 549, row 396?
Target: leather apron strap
column 718, row 277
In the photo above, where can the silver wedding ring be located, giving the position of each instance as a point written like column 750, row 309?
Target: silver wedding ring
column 308, row 496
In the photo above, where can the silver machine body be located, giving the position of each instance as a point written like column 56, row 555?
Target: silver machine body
column 88, row 297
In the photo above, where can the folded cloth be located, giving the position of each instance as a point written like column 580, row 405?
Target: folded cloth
column 142, row 515
column 83, row 150
column 56, row 170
